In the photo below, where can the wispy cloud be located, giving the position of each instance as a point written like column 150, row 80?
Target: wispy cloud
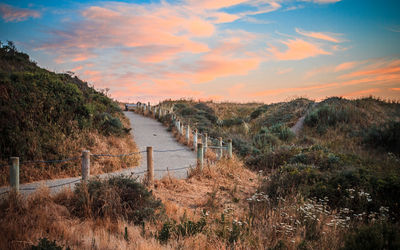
column 361, row 93
column 13, row 14
column 345, row 66
column 322, row 1
column 297, row 49
column 394, row 28
column 330, row 37
column 284, row 71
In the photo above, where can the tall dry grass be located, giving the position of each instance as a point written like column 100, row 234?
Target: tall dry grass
column 72, row 147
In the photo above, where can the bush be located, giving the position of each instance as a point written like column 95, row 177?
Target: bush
column 327, row 116
column 282, row 132
column 273, row 159
column 117, row 197
column 374, row 237
column 243, row 148
column 110, row 125
column 45, row 244
column 256, row 113
column 185, row 228
column 265, row 140
column 386, row 136
column 232, row 122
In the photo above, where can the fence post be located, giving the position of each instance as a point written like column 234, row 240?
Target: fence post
column 181, row 129
column 220, row 149
column 230, row 148
column 85, row 164
column 195, row 139
column 14, row 173
column 205, row 142
column 200, row 156
column 188, row 134
column 150, row 168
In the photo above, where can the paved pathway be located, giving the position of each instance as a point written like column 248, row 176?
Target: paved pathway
column 146, row 132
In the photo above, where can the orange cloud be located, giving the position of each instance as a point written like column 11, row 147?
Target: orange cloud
column 320, row 35
column 12, row 14
column 222, row 17
column 211, row 69
column 297, row 49
column 361, row 93
column 284, row 71
column 212, row 4
column 395, row 89
column 345, row 66
column 380, row 68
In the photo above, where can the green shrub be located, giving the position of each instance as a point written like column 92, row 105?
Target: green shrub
column 272, row 159
column 386, row 136
column 117, row 197
column 185, row 228
column 243, row 148
column 256, row 113
column 326, row 116
column 232, row 122
column 373, row 237
column 110, row 125
column 265, row 140
column 45, row 244
column 282, row 132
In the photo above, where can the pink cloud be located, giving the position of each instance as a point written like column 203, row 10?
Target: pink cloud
column 345, row 66
column 297, row 49
column 361, row 93
column 284, row 71
column 13, row 14
column 330, row 37
column 212, row 4
column 380, row 68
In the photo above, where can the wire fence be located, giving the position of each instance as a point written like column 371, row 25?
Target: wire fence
column 113, row 155
column 97, row 156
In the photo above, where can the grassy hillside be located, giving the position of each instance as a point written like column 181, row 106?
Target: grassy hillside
column 47, row 116
column 346, row 159
column 333, row 186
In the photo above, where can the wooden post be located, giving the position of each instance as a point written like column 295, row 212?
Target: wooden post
column 14, row 173
column 205, row 142
column 195, row 139
column 200, row 156
column 188, row 134
column 85, row 164
column 220, row 149
column 181, row 129
column 230, row 148
column 150, row 168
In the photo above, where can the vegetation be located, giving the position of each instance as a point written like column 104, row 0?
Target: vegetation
column 345, row 160
column 39, row 109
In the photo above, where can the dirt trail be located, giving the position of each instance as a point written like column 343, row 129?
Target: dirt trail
column 146, row 132
column 300, row 123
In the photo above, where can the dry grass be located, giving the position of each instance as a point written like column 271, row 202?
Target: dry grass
column 24, row 221
column 93, row 141
column 225, row 184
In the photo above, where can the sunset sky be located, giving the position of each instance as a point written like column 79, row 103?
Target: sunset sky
column 225, row 50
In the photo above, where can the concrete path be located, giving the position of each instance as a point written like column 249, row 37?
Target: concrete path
column 168, row 156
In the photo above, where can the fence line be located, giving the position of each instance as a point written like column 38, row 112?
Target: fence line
column 200, row 147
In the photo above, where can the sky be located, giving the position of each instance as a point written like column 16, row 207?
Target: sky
column 222, row 50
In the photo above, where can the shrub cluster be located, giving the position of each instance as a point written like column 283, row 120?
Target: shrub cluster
column 117, row 197
column 386, row 136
